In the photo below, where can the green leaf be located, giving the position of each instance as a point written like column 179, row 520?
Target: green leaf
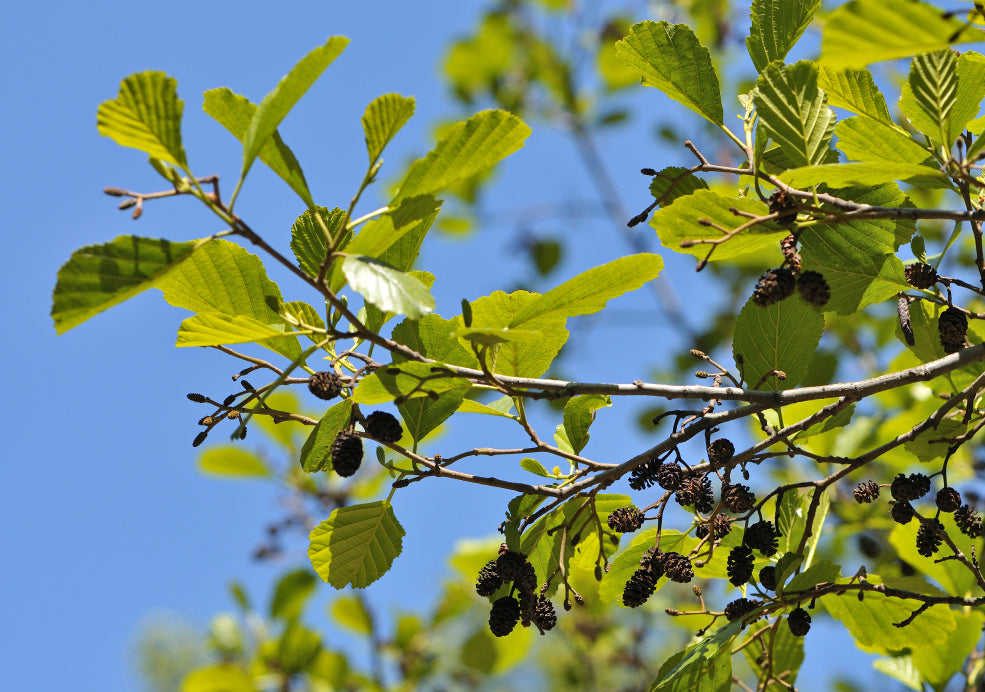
column 215, row 328
column 316, row 454
column 933, row 444
column 97, row 277
column 673, row 182
column 866, row 31
column 591, row 290
column 384, row 231
column 534, row 467
column 299, row 314
column 579, row 414
column 818, row 573
column 223, row 677
column 493, row 336
column 877, row 173
column 308, row 239
column 235, row 112
column 466, row 149
column 429, row 336
column 971, row 90
column 232, row 462
column 776, row 26
column 351, row 613
column 854, row 90
column 704, row 666
column 223, row 277
column 870, row 621
column 670, row 58
column 686, row 221
column 291, row 593
column 518, row 359
column 383, row 118
column 782, row 337
column 146, row 115
column 794, row 112
column 858, row 258
column 389, row 289
column 278, row 103
column 864, row 139
column 792, row 523
column 356, row 545
column 543, row 546
column 781, row 649
column 939, row 663
column 470, row 406
column 930, row 94
column 406, row 380
column 421, row 415
column 901, row 668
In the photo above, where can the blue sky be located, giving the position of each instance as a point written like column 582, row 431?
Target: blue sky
column 106, row 518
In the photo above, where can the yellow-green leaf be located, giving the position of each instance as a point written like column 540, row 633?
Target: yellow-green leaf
column 146, row 115
column 97, row 277
column 356, row 545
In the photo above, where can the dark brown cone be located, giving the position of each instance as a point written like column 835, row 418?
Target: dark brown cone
column 920, row 275
column 773, row 286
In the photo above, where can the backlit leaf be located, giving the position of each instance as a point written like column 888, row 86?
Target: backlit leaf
column 384, row 117
column 579, row 414
column 866, row 31
column 278, row 103
column 235, row 112
column 687, row 220
column 216, row 328
column 466, row 149
column 521, row 359
column 776, row 27
column 97, row 277
column 308, row 240
column 870, row 621
column 146, row 115
column 356, row 545
column 864, row 139
column 670, row 58
column 854, row 90
column 781, row 337
column 589, row 291
column 930, row 94
column 794, row 112
column 223, row 277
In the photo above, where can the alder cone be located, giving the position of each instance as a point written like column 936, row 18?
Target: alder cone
column 799, row 621
column 920, row 275
column 504, row 615
column 948, row 499
column 625, row 519
column 347, row 453
column 384, row 427
column 325, row 385
column 952, row 325
column 773, row 286
column 814, row 288
column 739, row 566
column 488, row 581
